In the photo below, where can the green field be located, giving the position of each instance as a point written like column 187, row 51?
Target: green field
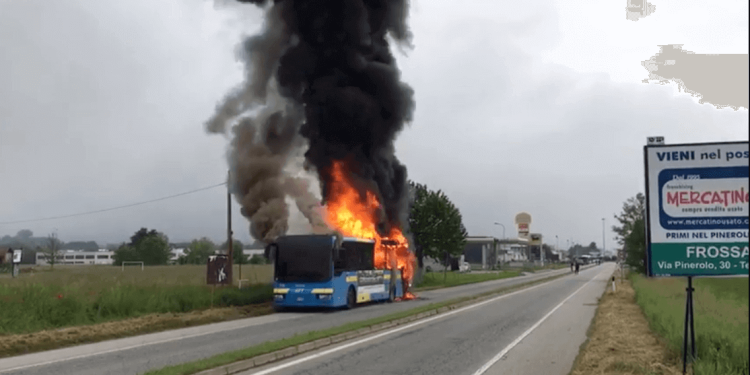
column 721, row 319
column 80, row 295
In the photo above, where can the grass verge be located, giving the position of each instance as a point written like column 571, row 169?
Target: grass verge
column 721, row 319
column 620, row 341
column 11, row 345
column 271, row 346
column 434, row 280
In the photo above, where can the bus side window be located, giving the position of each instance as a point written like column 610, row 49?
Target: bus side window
column 339, row 263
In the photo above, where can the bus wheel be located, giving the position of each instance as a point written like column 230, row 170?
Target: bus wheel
column 351, row 299
column 392, row 294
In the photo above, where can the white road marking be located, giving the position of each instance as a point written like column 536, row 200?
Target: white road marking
column 417, row 323
column 515, row 342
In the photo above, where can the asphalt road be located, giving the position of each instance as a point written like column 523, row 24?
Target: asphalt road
column 536, row 331
column 137, row 355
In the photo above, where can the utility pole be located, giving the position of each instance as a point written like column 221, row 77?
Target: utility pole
column 557, row 248
column 496, row 223
column 230, row 253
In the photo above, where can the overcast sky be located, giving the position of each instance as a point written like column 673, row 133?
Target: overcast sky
column 533, row 106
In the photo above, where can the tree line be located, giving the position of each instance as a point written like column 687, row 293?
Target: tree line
column 435, row 226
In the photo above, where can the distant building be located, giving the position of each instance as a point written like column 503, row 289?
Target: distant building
column 6, row 256
column 78, row 257
column 249, row 253
column 175, row 255
column 487, row 252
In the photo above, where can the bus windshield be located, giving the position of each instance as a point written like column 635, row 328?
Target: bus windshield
column 303, row 258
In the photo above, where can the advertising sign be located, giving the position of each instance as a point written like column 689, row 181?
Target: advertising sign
column 536, row 239
column 697, row 209
column 522, row 221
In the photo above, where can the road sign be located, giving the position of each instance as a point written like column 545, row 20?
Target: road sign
column 697, row 209
column 17, row 255
column 218, row 271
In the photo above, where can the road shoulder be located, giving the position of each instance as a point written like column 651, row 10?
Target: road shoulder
column 620, row 340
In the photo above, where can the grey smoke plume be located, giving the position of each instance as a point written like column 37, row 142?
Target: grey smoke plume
column 309, row 205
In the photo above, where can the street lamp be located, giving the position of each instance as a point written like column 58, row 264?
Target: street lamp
column 496, row 223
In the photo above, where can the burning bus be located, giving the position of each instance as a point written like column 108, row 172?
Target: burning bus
column 331, row 271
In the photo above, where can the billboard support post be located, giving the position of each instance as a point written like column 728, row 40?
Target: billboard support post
column 689, row 323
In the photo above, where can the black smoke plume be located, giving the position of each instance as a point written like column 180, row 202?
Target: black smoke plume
column 329, row 66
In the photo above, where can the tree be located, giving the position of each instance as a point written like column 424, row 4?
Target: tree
column 238, row 257
column 125, row 253
column 436, row 225
column 153, row 250
column 24, row 234
column 199, row 250
column 635, row 247
column 150, row 247
column 51, row 250
column 258, row 259
column 632, row 210
column 419, row 223
column 631, row 233
column 141, row 234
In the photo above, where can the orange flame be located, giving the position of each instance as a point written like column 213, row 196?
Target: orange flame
column 347, row 213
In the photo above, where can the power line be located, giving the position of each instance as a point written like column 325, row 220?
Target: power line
column 114, row 208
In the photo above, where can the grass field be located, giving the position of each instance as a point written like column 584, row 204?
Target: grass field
column 42, row 299
column 81, row 295
column 438, row 280
column 721, row 319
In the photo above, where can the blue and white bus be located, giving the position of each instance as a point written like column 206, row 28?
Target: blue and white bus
column 329, row 271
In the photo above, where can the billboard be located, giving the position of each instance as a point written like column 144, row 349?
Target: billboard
column 697, row 209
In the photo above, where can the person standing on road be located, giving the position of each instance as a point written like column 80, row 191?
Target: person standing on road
column 578, row 267
column 571, row 266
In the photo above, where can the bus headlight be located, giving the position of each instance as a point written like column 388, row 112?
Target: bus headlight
column 278, row 297
column 324, row 297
